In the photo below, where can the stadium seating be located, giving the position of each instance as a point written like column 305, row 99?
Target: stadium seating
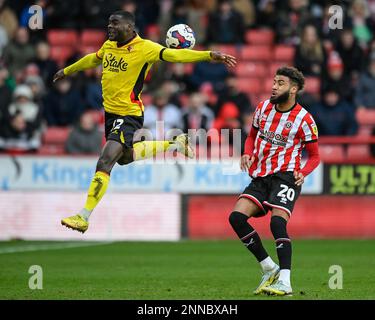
column 92, row 37
column 228, row 49
column 366, row 117
column 358, row 152
column 250, row 85
column 251, row 69
column 260, row 37
column 61, row 53
column 284, row 54
column 56, row 135
column 332, row 153
column 312, row 85
column 267, row 85
column 65, row 37
column 256, row 53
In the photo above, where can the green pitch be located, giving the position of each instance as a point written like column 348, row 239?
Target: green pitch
column 181, row 270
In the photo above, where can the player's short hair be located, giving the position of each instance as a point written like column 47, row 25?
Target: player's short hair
column 293, row 74
column 125, row 15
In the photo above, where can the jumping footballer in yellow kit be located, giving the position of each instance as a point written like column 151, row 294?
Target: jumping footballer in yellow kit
column 126, row 58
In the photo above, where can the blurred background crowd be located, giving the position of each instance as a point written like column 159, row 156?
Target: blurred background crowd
column 37, row 115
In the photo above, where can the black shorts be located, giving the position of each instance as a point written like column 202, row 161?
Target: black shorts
column 122, row 128
column 274, row 191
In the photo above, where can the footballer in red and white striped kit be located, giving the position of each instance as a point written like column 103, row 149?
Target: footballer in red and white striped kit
column 281, row 129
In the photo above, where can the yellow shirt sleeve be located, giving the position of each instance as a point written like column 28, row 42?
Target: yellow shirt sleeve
column 155, row 52
column 100, row 52
column 152, row 51
column 185, row 55
column 88, row 61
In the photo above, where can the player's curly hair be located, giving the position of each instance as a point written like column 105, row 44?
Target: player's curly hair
column 293, row 74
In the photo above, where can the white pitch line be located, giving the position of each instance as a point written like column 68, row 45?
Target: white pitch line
column 54, row 246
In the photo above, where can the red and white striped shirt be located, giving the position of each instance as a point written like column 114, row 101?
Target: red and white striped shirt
column 280, row 138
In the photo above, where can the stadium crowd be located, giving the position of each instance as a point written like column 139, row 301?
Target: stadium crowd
column 339, row 66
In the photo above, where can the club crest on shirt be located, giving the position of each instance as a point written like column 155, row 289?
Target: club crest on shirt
column 130, row 48
column 288, row 125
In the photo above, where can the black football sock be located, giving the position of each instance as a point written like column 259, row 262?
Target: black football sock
column 247, row 235
column 283, row 243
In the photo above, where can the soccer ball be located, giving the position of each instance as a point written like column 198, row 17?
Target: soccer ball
column 180, row 36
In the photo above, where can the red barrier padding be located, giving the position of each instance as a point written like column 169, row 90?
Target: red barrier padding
column 313, row 217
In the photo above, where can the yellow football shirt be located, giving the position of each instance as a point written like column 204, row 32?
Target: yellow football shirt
column 125, row 68
column 124, row 71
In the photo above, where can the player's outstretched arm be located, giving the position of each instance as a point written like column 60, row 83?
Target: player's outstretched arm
column 186, row 55
column 88, row 61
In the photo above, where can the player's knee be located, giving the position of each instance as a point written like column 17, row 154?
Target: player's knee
column 124, row 161
column 105, row 163
column 126, row 158
column 237, row 218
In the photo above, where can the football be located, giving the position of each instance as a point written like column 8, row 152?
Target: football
column 180, row 36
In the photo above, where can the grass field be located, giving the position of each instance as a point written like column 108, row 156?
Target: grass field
column 182, row 270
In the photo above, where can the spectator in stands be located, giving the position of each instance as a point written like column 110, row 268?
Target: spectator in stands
column 193, row 13
column 365, row 90
column 47, row 66
column 334, row 117
column 8, row 20
column 132, row 6
column 178, row 74
column 63, row 104
column 37, row 87
column 5, row 93
column 22, row 130
column 64, row 14
column 359, row 16
column 3, row 39
column 85, row 137
column 173, row 91
column 210, row 98
column 267, row 14
column 225, row 24
column 19, row 52
column 230, row 93
column 350, row 52
column 198, row 115
column 161, row 110
column 328, row 34
column 291, row 20
column 228, row 118
column 93, row 90
column 310, row 55
column 96, row 12
column 335, row 77
column 247, row 10
column 209, row 72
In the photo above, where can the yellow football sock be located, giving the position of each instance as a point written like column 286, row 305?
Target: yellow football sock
column 148, row 149
column 96, row 190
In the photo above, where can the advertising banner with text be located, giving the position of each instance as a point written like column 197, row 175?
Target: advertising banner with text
column 349, row 179
column 75, row 174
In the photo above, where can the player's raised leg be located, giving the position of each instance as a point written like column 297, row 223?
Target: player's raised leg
column 279, row 221
column 148, row 149
column 111, row 152
column 243, row 210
